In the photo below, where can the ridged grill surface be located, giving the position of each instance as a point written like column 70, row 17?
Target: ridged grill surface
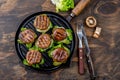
column 29, row 23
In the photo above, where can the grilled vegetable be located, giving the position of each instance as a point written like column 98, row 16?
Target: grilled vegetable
column 33, row 58
column 42, row 23
column 62, row 35
column 27, row 36
column 59, row 54
column 44, row 42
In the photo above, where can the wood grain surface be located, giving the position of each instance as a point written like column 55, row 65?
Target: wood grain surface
column 105, row 50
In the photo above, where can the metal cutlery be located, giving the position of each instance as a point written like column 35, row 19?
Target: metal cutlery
column 81, row 54
column 81, row 32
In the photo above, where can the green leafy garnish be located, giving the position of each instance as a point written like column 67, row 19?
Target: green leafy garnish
column 23, row 29
column 42, row 61
column 63, row 5
column 65, row 41
column 37, row 66
column 34, row 65
column 34, row 48
column 25, row 62
column 69, row 34
column 19, row 41
column 29, row 45
column 67, row 49
column 57, row 63
column 35, row 36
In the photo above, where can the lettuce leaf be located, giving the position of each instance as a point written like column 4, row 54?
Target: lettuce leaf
column 69, row 34
column 23, row 29
column 34, row 65
column 63, row 5
column 29, row 45
column 19, row 41
column 57, row 63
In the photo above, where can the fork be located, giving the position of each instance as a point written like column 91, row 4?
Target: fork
column 80, row 50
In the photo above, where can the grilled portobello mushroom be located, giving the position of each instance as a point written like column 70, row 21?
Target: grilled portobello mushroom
column 62, row 35
column 33, row 57
column 42, row 23
column 44, row 41
column 59, row 55
column 59, row 34
column 27, row 36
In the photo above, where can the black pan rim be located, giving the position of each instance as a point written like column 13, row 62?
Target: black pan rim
column 46, row 12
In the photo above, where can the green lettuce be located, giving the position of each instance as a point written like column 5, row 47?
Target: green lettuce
column 23, row 29
column 34, row 65
column 63, row 5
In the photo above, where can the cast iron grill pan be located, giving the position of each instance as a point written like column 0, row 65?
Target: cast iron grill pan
column 56, row 19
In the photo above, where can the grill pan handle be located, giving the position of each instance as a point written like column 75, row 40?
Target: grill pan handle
column 80, row 6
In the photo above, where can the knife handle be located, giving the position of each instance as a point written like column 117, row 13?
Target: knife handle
column 81, row 61
column 80, row 6
column 91, row 67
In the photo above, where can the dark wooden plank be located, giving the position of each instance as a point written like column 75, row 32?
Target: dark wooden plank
column 104, row 50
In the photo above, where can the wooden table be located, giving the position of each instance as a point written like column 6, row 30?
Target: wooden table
column 105, row 50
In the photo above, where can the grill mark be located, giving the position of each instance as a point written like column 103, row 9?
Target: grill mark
column 27, row 40
column 31, row 33
column 37, row 22
column 46, row 21
column 33, row 57
column 41, row 22
column 27, row 36
column 60, row 55
column 43, row 45
column 21, row 36
column 30, row 37
column 45, row 41
column 59, row 34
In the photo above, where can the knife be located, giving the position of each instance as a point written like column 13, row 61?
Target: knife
column 78, row 9
column 88, row 57
column 80, row 50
